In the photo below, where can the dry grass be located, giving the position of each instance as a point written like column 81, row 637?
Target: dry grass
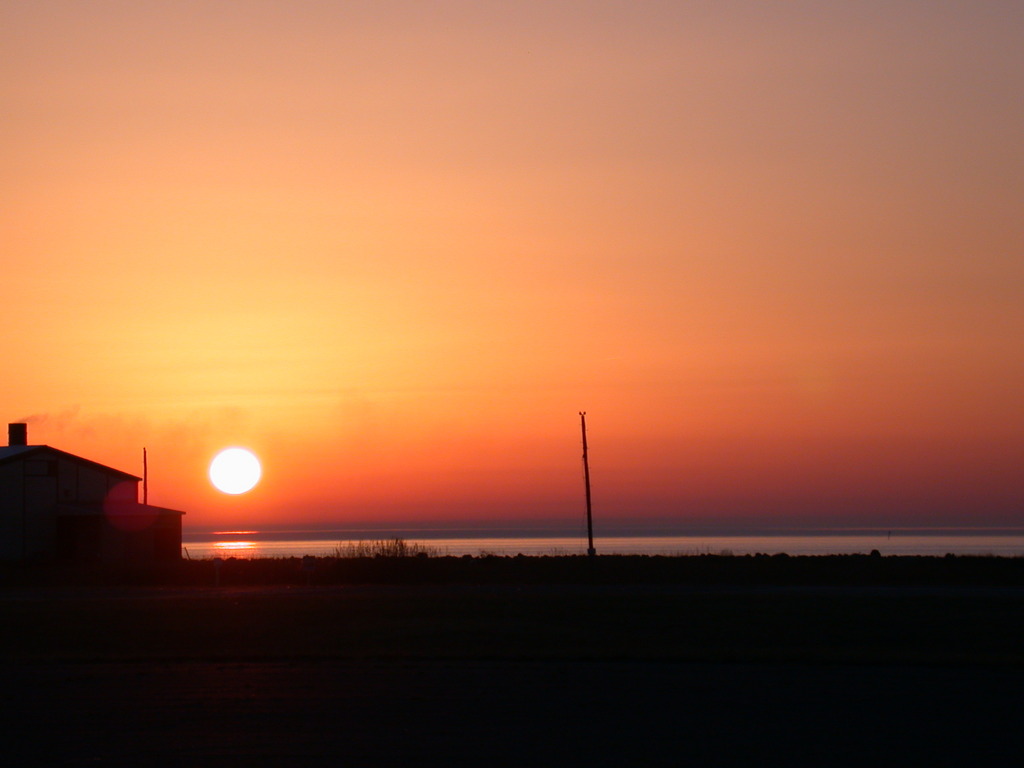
column 383, row 548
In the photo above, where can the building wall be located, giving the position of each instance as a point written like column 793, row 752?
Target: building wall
column 159, row 540
column 30, row 528
column 28, row 496
column 11, row 506
column 40, row 512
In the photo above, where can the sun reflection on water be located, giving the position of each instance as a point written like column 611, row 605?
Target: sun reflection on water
column 236, row 548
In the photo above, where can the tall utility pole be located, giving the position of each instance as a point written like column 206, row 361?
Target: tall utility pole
column 586, row 479
column 145, row 478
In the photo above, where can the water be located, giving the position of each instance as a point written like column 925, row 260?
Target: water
column 1003, row 543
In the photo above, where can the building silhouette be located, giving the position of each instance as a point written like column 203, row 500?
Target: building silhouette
column 55, row 506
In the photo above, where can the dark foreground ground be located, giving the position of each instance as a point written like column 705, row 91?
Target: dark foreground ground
column 513, row 674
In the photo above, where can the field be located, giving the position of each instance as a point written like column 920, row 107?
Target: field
column 592, row 668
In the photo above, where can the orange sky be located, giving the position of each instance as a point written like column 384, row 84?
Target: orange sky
column 774, row 251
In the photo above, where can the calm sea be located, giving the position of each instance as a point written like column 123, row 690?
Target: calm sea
column 1001, row 542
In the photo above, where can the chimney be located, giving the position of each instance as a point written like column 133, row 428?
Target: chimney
column 17, row 434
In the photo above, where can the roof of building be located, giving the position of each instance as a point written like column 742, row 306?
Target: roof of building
column 7, row 451
column 10, row 453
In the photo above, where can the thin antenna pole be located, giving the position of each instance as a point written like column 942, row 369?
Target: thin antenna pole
column 586, row 479
column 145, row 478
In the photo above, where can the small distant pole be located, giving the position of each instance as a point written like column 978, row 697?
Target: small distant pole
column 145, row 477
column 586, row 479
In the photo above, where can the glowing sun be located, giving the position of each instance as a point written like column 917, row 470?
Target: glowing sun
column 235, row 470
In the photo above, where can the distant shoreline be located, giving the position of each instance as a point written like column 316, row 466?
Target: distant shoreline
column 925, row 542
column 606, row 530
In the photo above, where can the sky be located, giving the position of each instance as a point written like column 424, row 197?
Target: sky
column 774, row 251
